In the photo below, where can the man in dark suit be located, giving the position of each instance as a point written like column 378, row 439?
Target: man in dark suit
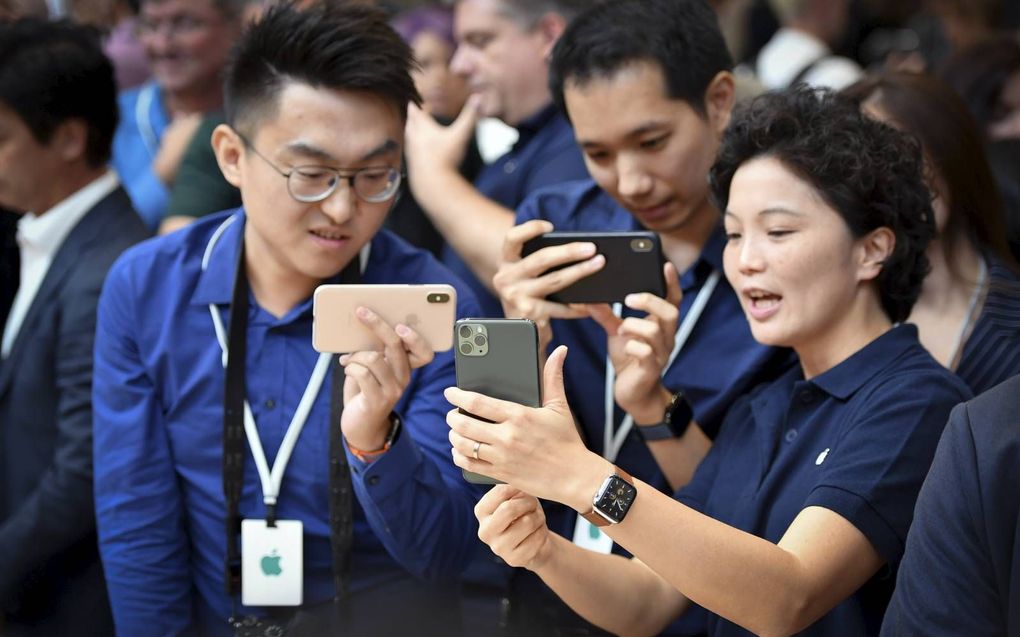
column 960, row 574
column 58, row 112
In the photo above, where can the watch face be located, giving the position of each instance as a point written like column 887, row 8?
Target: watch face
column 614, row 499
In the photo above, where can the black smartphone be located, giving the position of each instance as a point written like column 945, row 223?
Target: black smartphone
column 498, row 358
column 633, row 264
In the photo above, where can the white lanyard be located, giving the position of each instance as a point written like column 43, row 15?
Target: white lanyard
column 143, row 117
column 613, row 440
column 272, row 478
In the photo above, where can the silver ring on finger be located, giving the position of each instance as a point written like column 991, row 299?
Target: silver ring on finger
column 474, row 452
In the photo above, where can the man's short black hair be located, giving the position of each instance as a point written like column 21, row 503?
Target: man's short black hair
column 338, row 45
column 681, row 37
column 51, row 72
column 869, row 172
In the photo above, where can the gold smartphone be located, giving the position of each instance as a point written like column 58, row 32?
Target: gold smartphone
column 428, row 309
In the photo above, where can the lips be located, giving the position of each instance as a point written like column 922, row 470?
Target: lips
column 761, row 304
column 329, row 237
column 652, row 213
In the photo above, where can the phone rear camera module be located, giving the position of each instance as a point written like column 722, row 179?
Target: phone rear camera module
column 465, row 348
column 641, row 245
column 480, row 340
column 465, row 331
column 438, row 297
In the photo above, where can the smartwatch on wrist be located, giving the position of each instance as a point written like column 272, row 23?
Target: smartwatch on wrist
column 675, row 420
column 613, row 499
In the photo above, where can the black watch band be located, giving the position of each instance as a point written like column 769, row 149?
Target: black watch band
column 675, row 420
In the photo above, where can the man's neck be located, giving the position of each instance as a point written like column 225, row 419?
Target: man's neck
column 683, row 245
column 72, row 178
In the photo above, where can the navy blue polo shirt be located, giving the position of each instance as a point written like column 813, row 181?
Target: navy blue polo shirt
column 546, row 153
column 719, row 362
column 961, row 572
column 857, row 439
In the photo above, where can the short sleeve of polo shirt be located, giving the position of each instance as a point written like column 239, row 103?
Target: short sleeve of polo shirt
column 874, row 475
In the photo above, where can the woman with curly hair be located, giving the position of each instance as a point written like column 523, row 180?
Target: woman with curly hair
column 969, row 307
column 798, row 514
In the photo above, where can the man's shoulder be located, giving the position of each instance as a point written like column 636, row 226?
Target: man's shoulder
column 575, row 205
column 164, row 259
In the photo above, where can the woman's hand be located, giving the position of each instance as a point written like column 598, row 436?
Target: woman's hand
column 513, row 524
column 537, row 450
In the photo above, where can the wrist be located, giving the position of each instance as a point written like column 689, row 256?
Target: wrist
column 650, row 410
column 370, row 444
column 592, row 471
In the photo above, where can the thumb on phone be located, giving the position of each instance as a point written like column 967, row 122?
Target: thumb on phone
column 554, row 395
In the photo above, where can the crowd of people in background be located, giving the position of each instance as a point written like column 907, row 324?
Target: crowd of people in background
column 814, row 429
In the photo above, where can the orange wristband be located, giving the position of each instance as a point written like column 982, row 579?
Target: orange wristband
column 367, row 455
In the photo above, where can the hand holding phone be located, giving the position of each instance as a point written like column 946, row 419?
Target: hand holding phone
column 632, row 263
column 498, row 358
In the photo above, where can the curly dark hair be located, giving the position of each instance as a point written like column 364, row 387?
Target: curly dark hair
column 870, row 173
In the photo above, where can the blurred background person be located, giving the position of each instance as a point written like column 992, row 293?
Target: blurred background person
column 429, row 31
column 970, row 301
column 802, row 49
column 118, row 19
column 987, row 77
column 58, row 112
column 186, row 42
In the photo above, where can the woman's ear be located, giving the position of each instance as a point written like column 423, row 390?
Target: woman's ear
column 229, row 149
column 874, row 249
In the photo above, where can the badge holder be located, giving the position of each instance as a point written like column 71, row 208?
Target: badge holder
column 588, row 536
column 272, row 564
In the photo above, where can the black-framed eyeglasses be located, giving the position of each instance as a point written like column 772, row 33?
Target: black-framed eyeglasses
column 309, row 184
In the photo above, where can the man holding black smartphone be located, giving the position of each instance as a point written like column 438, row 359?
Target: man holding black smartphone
column 648, row 114
column 244, row 482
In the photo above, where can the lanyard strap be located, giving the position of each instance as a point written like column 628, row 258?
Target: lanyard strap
column 613, row 438
column 143, row 118
column 239, row 425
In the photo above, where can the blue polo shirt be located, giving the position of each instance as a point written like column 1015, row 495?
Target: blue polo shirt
column 143, row 120
column 961, row 572
column 546, row 153
column 857, row 439
column 158, row 403
column 719, row 362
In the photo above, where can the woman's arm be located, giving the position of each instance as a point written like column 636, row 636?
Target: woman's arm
column 767, row 588
column 618, row 594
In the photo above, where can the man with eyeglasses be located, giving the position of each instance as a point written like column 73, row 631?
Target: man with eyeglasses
column 207, row 384
column 186, row 42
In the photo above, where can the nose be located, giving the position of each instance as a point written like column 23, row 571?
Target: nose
column 460, row 63
column 633, row 181
column 341, row 204
column 750, row 257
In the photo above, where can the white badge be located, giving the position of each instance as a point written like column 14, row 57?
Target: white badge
column 588, row 536
column 272, row 563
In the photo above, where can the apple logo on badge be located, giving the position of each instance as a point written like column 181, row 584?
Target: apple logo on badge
column 412, row 320
column 271, row 564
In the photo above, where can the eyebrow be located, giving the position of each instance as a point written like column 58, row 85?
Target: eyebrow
column 314, row 152
column 771, row 211
column 644, row 129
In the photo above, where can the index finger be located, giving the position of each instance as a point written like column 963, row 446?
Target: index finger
column 516, row 237
column 496, row 496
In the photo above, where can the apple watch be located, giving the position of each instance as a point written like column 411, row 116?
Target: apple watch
column 675, row 420
column 613, row 499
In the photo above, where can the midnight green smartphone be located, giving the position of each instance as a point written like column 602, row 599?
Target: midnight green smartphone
column 498, row 358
